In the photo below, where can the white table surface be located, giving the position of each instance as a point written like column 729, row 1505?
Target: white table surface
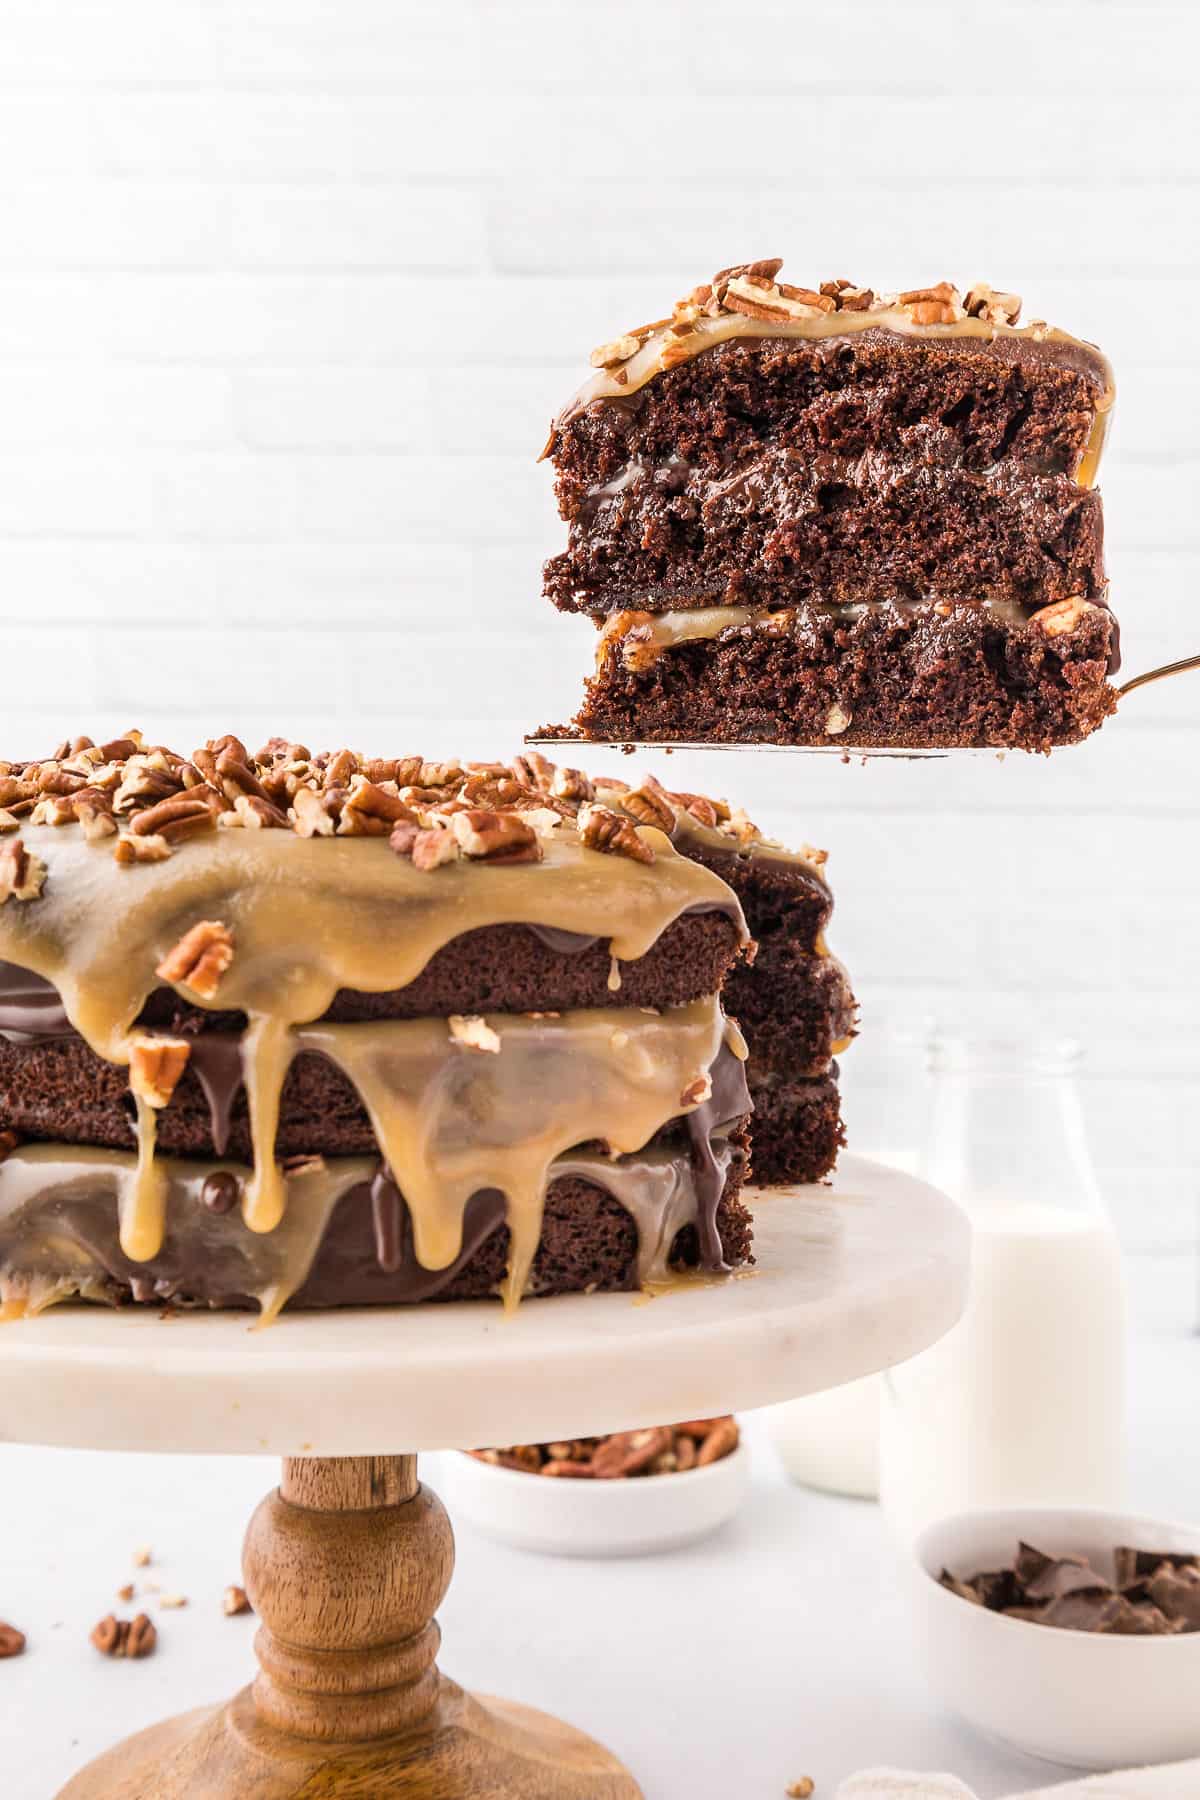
column 774, row 1650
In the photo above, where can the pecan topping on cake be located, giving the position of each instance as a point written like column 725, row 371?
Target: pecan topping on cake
column 22, row 874
column 199, row 959
column 754, row 290
column 155, row 1066
column 602, row 829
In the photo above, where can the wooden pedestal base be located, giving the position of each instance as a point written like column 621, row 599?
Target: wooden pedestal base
column 346, row 1565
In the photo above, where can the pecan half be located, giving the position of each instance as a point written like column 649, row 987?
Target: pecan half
column 370, row 811
column 174, row 819
column 131, row 1638
column 12, row 1641
column 1061, row 616
column 602, row 829
column 199, row 959
column 650, row 804
column 22, row 874
column 720, row 1441
column 572, row 784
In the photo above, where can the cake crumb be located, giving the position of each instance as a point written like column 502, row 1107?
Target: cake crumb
column 800, row 1790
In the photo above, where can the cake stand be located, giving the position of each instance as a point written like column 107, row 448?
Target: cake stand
column 348, row 1561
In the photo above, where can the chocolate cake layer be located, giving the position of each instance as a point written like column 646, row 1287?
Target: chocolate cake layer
column 589, row 1240
column 501, row 968
column 779, row 528
column 797, row 1129
column 973, row 402
column 892, row 676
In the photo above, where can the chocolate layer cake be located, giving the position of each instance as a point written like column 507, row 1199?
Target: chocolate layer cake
column 828, row 516
column 314, row 1030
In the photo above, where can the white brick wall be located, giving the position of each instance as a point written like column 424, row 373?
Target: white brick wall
column 289, row 289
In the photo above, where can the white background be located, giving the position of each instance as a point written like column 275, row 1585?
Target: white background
column 289, row 290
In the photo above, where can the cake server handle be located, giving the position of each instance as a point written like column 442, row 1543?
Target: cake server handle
column 1175, row 668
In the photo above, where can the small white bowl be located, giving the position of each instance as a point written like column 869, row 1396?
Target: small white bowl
column 1088, row 1702
column 564, row 1517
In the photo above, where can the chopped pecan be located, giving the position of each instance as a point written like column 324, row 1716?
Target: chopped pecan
column 697, row 1091
column 310, row 815
column 199, row 959
column 983, row 302
column 837, row 720
column 130, row 850
column 602, row 829
column 370, row 811
column 628, row 1452
column 155, row 1067
column 432, row 848
column 234, row 1602
column 608, row 356
column 495, row 836
column 1061, row 616
column 572, row 784
column 12, row 1641
column 256, row 814
column 940, row 305
column 9, row 821
column 474, row 1033
column 650, row 804
column 55, row 810
column 22, row 874
column 145, row 778
column 94, row 810
column 533, row 770
column 720, row 1441
column 125, row 1637
column 562, row 1466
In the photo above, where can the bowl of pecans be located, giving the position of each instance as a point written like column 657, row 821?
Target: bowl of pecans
column 627, row 1494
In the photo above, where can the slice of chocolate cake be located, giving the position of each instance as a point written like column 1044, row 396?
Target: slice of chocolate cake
column 792, row 999
column 839, row 518
column 315, row 1031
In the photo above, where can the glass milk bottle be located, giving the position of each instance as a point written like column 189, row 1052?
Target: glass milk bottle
column 831, row 1440
column 1024, row 1402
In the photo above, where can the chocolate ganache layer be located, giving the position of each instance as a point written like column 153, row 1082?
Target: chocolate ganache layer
column 437, row 997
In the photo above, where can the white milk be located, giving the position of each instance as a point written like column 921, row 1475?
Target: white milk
column 1024, row 1401
column 831, row 1440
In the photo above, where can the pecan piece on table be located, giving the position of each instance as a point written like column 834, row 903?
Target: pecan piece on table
column 130, row 1638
